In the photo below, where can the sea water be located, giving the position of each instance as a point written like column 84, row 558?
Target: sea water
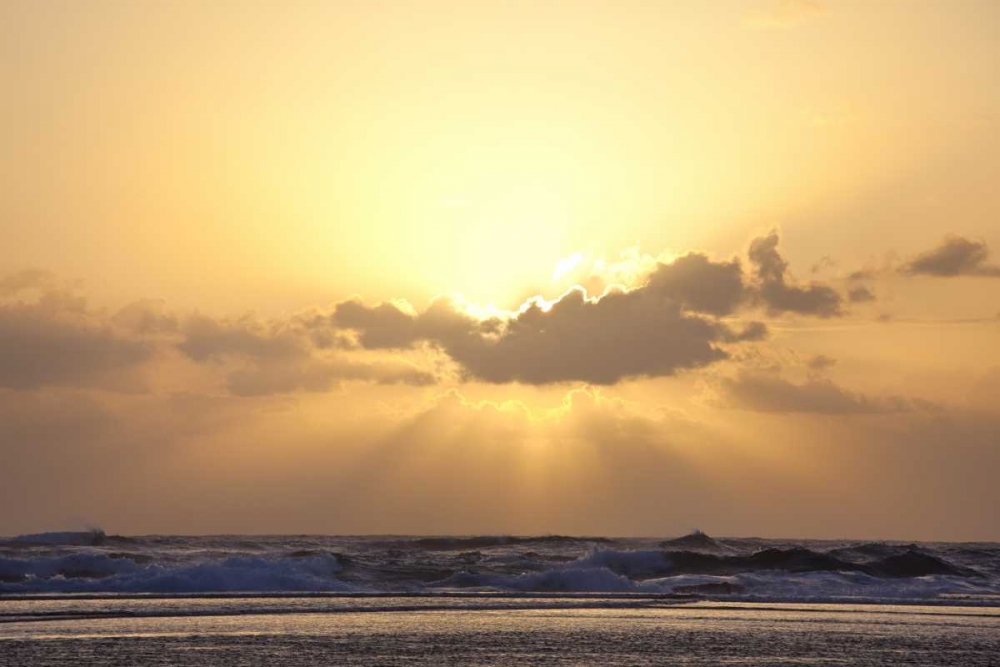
column 89, row 598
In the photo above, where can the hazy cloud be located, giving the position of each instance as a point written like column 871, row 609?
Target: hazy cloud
column 777, row 295
column 319, row 375
column 321, row 332
column 58, row 341
column 954, row 256
column 208, row 339
column 146, row 316
column 863, row 274
column 821, row 362
column 284, row 356
column 25, row 279
column 761, row 392
column 860, row 294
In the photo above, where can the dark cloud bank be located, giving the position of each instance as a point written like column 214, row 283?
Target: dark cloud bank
column 686, row 315
column 680, row 318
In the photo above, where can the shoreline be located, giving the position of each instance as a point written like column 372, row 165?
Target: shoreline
column 985, row 601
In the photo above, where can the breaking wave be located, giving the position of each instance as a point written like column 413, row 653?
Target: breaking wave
column 694, row 566
column 696, row 541
column 126, row 573
column 95, row 537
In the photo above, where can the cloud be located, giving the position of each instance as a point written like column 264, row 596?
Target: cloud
column 285, row 355
column 387, row 325
column 59, row 341
column 146, row 316
column 954, row 256
column 783, row 14
column 867, row 273
column 860, row 294
column 821, row 362
column 319, row 375
column 25, row 279
column 670, row 322
column 760, row 392
column 777, row 295
column 699, row 284
column 620, row 335
column 646, row 332
column 678, row 315
column 208, row 339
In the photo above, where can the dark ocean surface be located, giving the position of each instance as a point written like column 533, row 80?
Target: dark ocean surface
column 693, row 565
column 93, row 599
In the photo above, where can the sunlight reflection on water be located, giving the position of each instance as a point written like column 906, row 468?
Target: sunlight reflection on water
column 696, row 634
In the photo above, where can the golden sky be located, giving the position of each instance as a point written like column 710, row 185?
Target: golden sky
column 500, row 267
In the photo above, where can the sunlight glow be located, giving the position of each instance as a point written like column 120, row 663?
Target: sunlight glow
column 566, row 265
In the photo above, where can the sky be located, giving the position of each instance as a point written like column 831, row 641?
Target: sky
column 601, row 268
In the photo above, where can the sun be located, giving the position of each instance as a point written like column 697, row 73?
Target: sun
column 504, row 241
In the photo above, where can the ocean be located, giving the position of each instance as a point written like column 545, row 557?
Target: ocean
column 94, row 599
